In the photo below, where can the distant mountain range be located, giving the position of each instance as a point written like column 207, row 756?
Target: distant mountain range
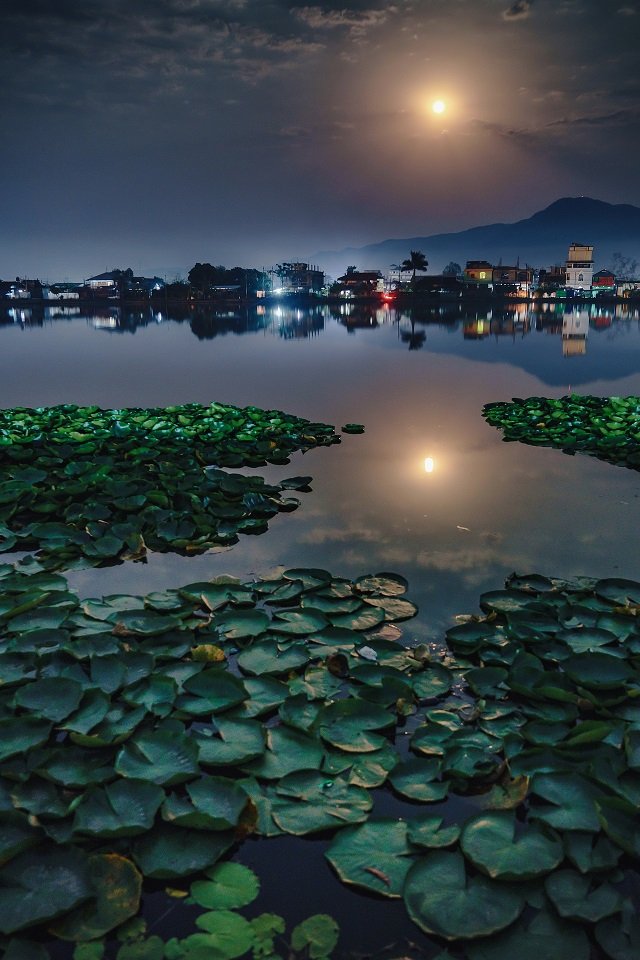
column 539, row 240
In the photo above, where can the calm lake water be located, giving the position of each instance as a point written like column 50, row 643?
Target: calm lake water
column 418, row 384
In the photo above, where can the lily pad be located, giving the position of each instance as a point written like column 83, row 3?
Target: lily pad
column 442, row 899
column 374, row 855
column 495, row 846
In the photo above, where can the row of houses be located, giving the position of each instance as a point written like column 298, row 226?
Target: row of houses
column 575, row 278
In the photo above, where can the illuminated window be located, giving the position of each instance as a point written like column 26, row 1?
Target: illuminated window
column 483, row 275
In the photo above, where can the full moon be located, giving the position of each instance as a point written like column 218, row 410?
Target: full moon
column 438, row 106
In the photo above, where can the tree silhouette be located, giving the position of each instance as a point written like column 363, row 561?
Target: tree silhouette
column 415, row 261
column 452, row 269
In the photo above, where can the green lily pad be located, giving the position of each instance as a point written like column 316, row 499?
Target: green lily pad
column 442, row 899
column 419, row 779
column 317, row 934
column 374, row 855
column 576, row 898
column 307, row 801
column 168, row 852
column 120, row 809
column 163, row 757
column 428, row 831
column 230, row 885
column 39, row 885
column 352, row 725
column 117, row 885
column 493, row 844
column 545, row 935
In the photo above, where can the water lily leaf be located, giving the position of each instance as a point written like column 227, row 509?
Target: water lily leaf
column 363, row 619
column 598, row 671
column 230, row 885
column 148, row 623
column 15, row 838
column 168, row 852
column 590, row 853
column 228, row 935
column 309, row 577
column 40, row 885
column 619, row 937
column 20, row 734
column 620, row 592
column 163, row 757
column 51, row 698
column 74, row 767
column 545, row 935
column 267, row 658
column 576, row 898
column 510, row 601
column 492, row 843
column 441, row 898
column 238, row 741
column 571, row 798
column 242, row 623
column 428, row 831
column 264, row 694
column 93, row 708
column 215, row 803
column 395, row 608
column 586, row 639
column 212, row 690
column 287, row 750
column 308, row 801
column 619, row 820
column 150, row 949
column 507, row 794
column 317, row 934
column 120, row 809
column 374, row 855
column 351, row 725
column 487, row 681
column 419, row 779
column 381, row 584
column 117, row 885
column 434, row 681
column 299, row 622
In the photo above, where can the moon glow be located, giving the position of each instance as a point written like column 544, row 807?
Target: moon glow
column 438, row 106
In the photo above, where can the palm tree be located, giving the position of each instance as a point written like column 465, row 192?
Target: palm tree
column 416, row 261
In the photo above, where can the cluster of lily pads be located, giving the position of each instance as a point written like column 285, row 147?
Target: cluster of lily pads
column 147, row 737
column 100, row 486
column 604, row 427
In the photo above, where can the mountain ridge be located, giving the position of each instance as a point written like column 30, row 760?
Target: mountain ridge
column 540, row 239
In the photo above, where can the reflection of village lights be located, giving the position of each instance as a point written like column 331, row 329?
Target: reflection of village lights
column 429, row 465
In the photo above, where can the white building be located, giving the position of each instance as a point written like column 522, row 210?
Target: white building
column 579, row 267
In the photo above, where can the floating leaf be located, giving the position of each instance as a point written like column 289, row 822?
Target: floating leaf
column 317, row 934
column 375, row 856
column 576, row 898
column 493, row 844
column 230, row 885
column 444, row 900
column 167, row 852
column 117, row 885
column 40, row 885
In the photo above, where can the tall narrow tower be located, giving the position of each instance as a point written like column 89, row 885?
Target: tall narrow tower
column 579, row 267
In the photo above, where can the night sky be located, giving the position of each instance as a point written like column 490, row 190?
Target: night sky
column 155, row 133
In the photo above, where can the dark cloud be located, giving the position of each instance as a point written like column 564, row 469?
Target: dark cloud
column 631, row 115
column 519, row 10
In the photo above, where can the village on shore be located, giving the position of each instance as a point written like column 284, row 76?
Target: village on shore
column 408, row 281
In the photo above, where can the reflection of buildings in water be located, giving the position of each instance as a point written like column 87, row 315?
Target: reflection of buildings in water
column 575, row 330
column 477, row 328
column 362, row 316
column 208, row 324
column 294, row 323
